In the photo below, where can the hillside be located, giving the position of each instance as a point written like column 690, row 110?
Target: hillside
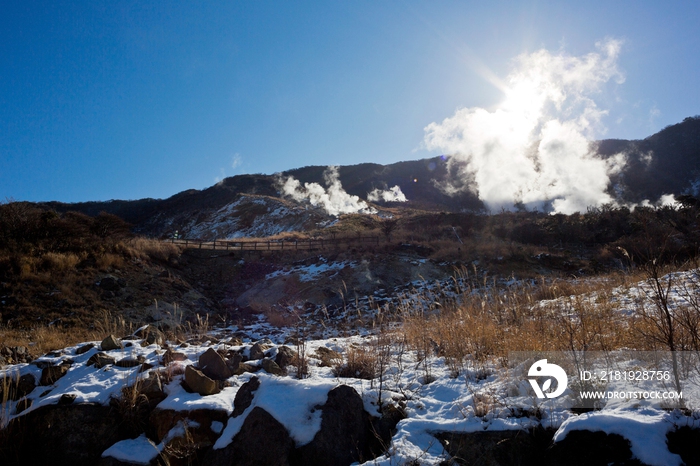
column 667, row 162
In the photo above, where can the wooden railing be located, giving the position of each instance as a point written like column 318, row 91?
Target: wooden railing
column 279, row 245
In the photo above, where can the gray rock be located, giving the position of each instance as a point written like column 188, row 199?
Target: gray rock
column 213, row 365
column 233, row 361
column 285, row 356
column 261, row 440
column 257, row 351
column 171, row 356
column 74, row 434
column 85, row 348
column 271, row 367
column 244, row 396
column 346, row 434
column 51, row 374
column 151, row 386
column 130, row 362
column 151, row 335
column 110, row 343
column 199, row 383
column 100, row 360
column 245, row 367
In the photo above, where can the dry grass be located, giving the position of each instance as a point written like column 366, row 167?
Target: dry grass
column 57, row 261
column 482, row 326
column 360, row 362
column 143, row 248
column 41, row 340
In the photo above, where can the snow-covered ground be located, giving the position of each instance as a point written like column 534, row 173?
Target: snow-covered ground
column 484, row 397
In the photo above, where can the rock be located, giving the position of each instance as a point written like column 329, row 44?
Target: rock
column 17, row 387
column 85, row 348
column 110, row 343
column 152, row 387
column 110, row 283
column 271, row 367
column 328, row 357
column 199, row 383
column 285, row 356
column 233, row 361
column 684, row 442
column 146, row 366
column 170, row 356
column 67, row 399
column 257, row 351
column 151, row 335
column 244, row 396
column 245, row 367
column 74, row 434
column 385, row 426
column 261, row 440
column 186, row 448
column 346, row 434
column 212, row 364
column 100, row 360
column 582, row 447
column 130, row 362
column 51, row 374
column 498, row 447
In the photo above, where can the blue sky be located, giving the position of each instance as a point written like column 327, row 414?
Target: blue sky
column 126, row 100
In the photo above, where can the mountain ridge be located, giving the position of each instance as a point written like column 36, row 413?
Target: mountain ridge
column 667, row 162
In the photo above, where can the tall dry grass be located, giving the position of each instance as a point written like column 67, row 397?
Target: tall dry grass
column 487, row 323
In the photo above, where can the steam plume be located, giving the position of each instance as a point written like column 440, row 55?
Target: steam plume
column 534, row 149
column 334, row 199
column 388, row 195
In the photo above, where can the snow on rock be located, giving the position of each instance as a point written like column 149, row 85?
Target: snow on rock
column 645, row 429
column 140, row 450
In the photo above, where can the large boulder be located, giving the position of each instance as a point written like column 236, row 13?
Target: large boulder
column 72, row 434
column 187, row 434
column 346, row 434
column 583, row 447
column 262, row 440
column 498, row 447
column 213, row 365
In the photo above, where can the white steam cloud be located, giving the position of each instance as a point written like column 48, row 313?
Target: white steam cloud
column 388, row 195
column 334, row 199
column 533, row 149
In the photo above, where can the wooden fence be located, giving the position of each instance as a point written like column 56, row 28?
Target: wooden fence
column 279, row 245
